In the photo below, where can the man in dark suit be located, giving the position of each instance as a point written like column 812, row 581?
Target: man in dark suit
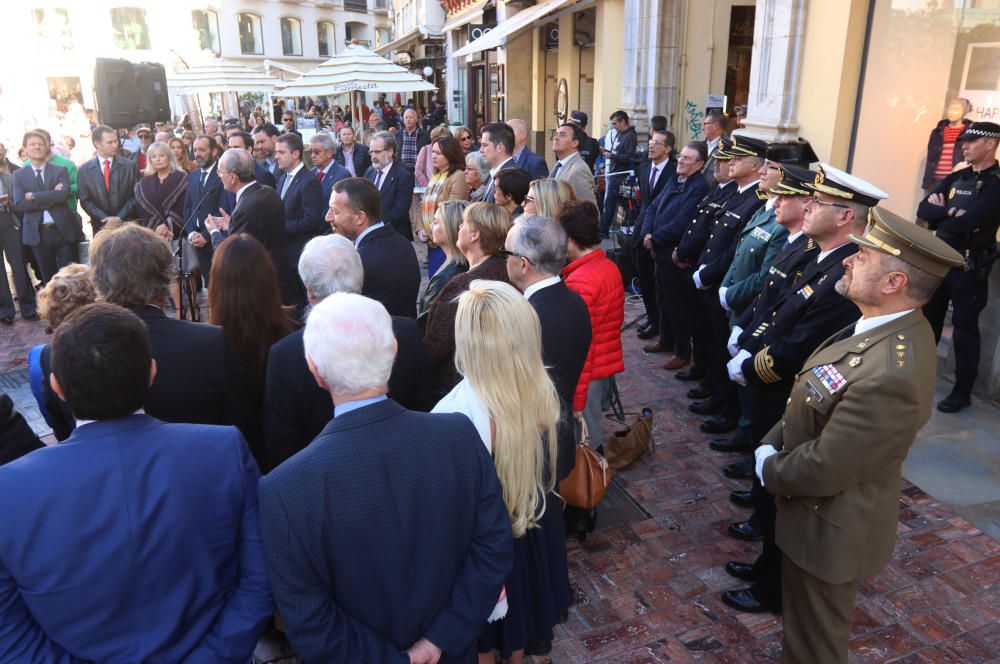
column 259, row 211
column 41, row 190
column 536, row 252
column 653, row 175
column 296, row 407
column 352, row 155
column 497, row 148
column 263, row 146
column 12, row 249
column 200, row 377
column 392, row 273
column 394, row 182
column 367, row 557
column 144, row 535
column 261, row 175
column 203, row 197
column 302, row 196
column 525, row 159
column 324, row 167
column 107, row 182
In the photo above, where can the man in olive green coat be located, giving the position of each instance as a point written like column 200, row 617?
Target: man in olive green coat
column 834, row 461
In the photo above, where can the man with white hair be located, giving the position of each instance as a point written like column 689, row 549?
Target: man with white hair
column 296, row 408
column 387, row 538
column 523, row 157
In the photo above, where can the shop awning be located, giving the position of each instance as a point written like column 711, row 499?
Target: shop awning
column 524, row 19
column 470, row 14
column 354, row 69
column 220, row 76
column 385, row 49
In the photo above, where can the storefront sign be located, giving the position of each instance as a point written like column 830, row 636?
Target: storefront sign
column 562, row 101
column 715, row 102
column 477, row 30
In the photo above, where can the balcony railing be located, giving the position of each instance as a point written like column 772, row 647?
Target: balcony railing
column 357, row 5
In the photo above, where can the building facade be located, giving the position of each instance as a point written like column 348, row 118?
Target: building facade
column 418, row 42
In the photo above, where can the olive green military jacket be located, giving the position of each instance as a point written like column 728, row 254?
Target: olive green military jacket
column 757, row 247
column 852, row 416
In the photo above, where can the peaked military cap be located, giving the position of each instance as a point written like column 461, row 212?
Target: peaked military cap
column 744, row 146
column 891, row 234
column 793, row 181
column 835, row 182
column 722, row 152
column 981, row 130
column 799, row 153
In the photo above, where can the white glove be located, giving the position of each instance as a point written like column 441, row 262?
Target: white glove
column 722, row 297
column 761, row 454
column 697, row 278
column 735, row 368
column 733, row 343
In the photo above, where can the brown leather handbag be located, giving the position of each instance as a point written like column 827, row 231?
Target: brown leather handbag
column 586, row 485
column 630, row 441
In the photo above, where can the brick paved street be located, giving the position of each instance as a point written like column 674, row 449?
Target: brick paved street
column 648, row 590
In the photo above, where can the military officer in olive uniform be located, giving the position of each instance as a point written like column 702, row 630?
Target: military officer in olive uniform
column 748, row 158
column 771, row 353
column 964, row 210
column 834, row 461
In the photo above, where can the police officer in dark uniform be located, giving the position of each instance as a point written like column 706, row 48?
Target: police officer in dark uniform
column 774, row 347
column 748, row 158
column 589, row 148
column 964, row 210
column 686, row 307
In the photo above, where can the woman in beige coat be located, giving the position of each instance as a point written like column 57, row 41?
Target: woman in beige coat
column 446, row 184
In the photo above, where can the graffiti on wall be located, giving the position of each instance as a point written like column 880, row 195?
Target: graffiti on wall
column 694, row 118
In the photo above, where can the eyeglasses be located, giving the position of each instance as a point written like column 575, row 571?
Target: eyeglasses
column 316, row 150
column 657, row 143
column 510, row 254
column 815, row 200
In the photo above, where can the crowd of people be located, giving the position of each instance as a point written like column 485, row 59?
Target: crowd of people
column 371, row 466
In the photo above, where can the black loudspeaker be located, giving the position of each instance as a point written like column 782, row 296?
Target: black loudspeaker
column 128, row 94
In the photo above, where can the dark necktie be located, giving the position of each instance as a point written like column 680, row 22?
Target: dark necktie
column 652, row 178
column 378, row 179
column 555, row 171
column 846, row 334
column 38, row 178
column 204, row 179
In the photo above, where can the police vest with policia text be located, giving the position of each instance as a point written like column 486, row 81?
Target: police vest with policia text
column 980, row 246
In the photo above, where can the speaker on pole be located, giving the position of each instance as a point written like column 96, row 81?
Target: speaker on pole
column 128, row 94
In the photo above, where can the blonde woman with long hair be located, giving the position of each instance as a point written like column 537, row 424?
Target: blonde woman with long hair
column 508, row 395
column 546, row 196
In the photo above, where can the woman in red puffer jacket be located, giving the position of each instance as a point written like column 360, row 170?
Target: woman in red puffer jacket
column 599, row 282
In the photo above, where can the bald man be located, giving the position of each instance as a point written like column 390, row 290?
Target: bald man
column 525, row 158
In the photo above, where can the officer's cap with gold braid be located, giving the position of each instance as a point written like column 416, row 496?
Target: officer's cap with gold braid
column 799, row 153
column 793, row 181
column 744, row 146
column 721, row 152
column 891, row 234
column 835, row 182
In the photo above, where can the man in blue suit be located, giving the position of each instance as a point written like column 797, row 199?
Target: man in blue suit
column 527, row 160
column 203, row 197
column 136, row 552
column 393, row 181
column 387, row 538
column 261, row 174
column 302, row 195
column 326, row 170
column 41, row 191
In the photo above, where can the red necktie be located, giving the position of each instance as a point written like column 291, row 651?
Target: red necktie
column 319, row 177
column 107, row 174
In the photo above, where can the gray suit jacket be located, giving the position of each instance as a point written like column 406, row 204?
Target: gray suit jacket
column 578, row 174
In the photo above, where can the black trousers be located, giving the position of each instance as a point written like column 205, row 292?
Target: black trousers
column 10, row 245
column 968, row 296
column 53, row 252
column 645, row 270
column 679, row 306
column 717, row 355
column 768, row 409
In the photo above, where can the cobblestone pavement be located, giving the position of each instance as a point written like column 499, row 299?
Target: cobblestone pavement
column 648, row 590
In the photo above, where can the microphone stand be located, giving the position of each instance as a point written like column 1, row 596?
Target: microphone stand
column 185, row 290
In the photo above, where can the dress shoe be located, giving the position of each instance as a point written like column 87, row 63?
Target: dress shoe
column 741, row 498
column 744, row 531
column 954, row 402
column 744, row 600
column 647, row 332
column 30, row 316
column 739, row 470
column 705, row 407
column 692, row 373
column 733, row 444
column 675, row 363
column 743, row 571
column 538, row 648
column 700, row 392
column 7, row 320
column 718, row 424
column 654, row 347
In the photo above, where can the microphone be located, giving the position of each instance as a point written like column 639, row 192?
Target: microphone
column 194, row 213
